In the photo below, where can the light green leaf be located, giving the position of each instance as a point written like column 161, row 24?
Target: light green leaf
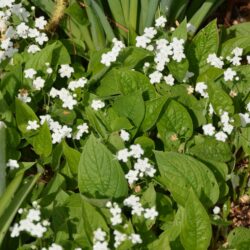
column 161, row 243
column 196, row 230
column 175, row 119
column 72, row 157
column 204, row 43
column 180, row 172
column 2, row 159
column 239, row 238
column 99, row 172
column 42, row 142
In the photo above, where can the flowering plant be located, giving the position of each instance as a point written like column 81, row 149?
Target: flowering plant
column 142, row 147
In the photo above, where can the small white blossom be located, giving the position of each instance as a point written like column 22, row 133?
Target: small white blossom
column 123, row 155
column 248, row 107
column 208, row 129
column 40, row 22
column 29, row 73
column 155, row 77
column 221, row 136
column 38, row 83
column 119, row 238
column 216, row 210
column 12, row 164
column 81, row 129
column 66, row 71
column 55, row 246
column 169, row 80
column 150, row 213
column 136, row 151
column 124, row 135
column 99, row 235
column 33, row 48
column 201, row 88
column 245, row 119
column 160, row 22
column 135, row 238
column 215, row 61
column 97, row 104
column 229, row 74
column 32, row 125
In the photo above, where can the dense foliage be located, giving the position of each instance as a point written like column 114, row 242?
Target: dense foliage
column 140, row 145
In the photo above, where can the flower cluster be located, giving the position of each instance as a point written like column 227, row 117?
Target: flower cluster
column 99, row 240
column 112, row 55
column 27, row 27
column 32, row 223
column 12, row 164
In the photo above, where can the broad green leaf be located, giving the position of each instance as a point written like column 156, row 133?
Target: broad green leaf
column 181, row 31
column 245, row 140
column 8, row 216
column 204, row 43
column 237, row 30
column 179, row 172
column 196, row 230
column 72, row 157
column 54, row 53
column 229, row 45
column 153, row 109
column 147, row 144
column 219, row 99
column 175, row 119
column 239, row 238
column 124, row 81
column 99, row 173
column 209, row 148
column 24, row 113
column 130, row 106
column 178, row 69
column 161, row 243
column 42, row 142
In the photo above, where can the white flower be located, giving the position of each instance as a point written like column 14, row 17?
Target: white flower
column 81, row 129
column 248, row 59
column 40, row 22
column 155, row 77
column 80, row 83
column 55, row 246
column 132, row 176
column 201, row 88
column 229, row 74
column 228, row 128
column 29, row 73
column 248, row 107
column 245, row 119
column 24, row 96
column 178, row 49
column 136, row 151
column 215, row 61
column 34, row 215
column 97, row 104
column 12, row 164
column 142, row 41
column 22, row 30
column 33, row 48
column 123, row 155
column 100, row 246
column 208, row 129
column 124, row 135
column 237, row 51
column 38, row 83
column 221, row 136
column 99, row 235
column 160, row 22
column 15, row 231
column 190, row 90
column 216, row 210
column 66, row 71
column 49, row 70
column 134, row 202
column 169, row 80
column 32, row 125
column 150, row 32
column 41, row 38
column 135, row 238
column 150, row 213
column 191, row 28
column 119, row 238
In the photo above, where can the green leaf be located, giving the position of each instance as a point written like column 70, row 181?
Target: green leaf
column 178, row 69
column 153, row 109
column 42, row 142
column 161, row 243
column 209, row 148
column 54, row 53
column 130, row 106
column 8, row 216
column 24, row 113
column 219, row 99
column 2, row 159
column 181, row 172
column 181, row 31
column 125, row 81
column 72, row 157
column 204, row 43
column 239, row 238
column 175, row 119
column 99, row 173
column 196, row 230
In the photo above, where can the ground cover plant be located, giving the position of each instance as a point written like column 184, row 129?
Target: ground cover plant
column 123, row 139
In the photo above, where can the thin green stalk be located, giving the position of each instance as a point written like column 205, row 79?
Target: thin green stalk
column 2, row 157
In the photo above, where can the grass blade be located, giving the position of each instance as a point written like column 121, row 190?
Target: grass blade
column 143, row 15
column 2, row 157
column 8, row 216
column 152, row 7
column 103, row 19
column 95, row 27
column 133, row 15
